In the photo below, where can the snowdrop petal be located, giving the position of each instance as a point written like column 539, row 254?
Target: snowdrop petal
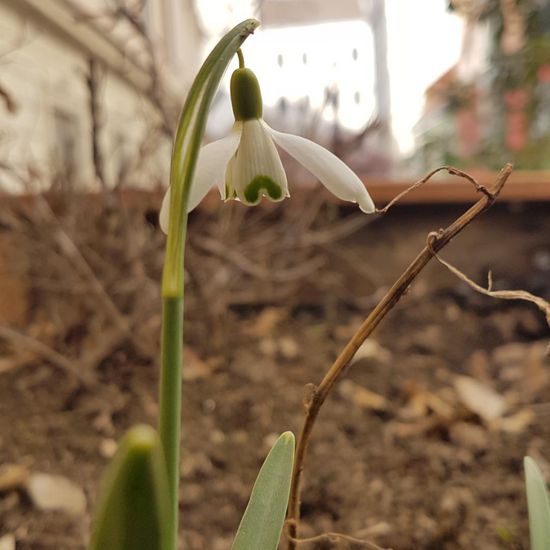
column 210, row 170
column 256, row 169
column 334, row 174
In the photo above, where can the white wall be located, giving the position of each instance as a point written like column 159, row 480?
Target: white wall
column 46, row 75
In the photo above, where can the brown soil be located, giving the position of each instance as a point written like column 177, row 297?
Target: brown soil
column 407, row 473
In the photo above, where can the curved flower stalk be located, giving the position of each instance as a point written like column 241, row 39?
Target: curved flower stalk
column 246, row 166
column 185, row 151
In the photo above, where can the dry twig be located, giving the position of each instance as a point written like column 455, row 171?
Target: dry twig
column 318, row 394
column 335, row 537
column 81, row 374
column 542, row 304
column 93, row 84
column 449, row 169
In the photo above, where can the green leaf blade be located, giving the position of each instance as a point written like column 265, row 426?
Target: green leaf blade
column 263, row 519
column 134, row 500
column 538, row 505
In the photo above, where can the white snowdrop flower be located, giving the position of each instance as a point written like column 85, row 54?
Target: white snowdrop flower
column 246, row 166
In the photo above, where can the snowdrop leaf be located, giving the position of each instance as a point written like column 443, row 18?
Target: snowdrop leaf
column 263, row 519
column 538, row 505
column 134, row 501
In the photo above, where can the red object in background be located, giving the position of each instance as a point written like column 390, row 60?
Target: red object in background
column 467, row 123
column 543, row 74
column 516, row 118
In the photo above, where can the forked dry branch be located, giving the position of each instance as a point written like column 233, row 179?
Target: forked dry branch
column 317, row 394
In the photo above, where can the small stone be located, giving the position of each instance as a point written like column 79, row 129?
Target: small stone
column 196, row 464
column 108, row 448
column 208, row 406
column 217, row 437
column 240, row 437
column 452, row 312
column 103, row 423
column 429, row 339
column 268, row 347
column 195, row 367
column 193, row 493
column 54, row 492
column 7, row 542
column 289, row 348
column 269, row 440
column 12, row 476
column 264, row 324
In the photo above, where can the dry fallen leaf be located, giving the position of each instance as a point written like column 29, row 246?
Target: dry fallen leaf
column 371, row 349
column 12, row 476
column 469, row 435
column 422, row 402
column 408, row 429
column 362, row 397
column 516, row 422
column 265, row 322
column 194, row 367
column 480, row 398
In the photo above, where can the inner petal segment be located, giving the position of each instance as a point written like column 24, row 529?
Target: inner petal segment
column 256, row 169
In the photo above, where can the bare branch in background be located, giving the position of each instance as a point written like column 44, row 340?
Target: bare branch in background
column 93, row 82
column 6, row 95
column 131, row 13
column 75, row 371
column 10, row 103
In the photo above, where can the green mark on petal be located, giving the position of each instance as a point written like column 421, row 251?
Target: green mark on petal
column 252, row 190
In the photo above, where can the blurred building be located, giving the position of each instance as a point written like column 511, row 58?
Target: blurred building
column 323, row 67
column 88, row 87
column 493, row 106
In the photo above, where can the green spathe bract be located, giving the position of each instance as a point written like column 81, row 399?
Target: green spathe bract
column 134, row 498
column 246, row 96
column 185, row 152
column 263, row 519
column 538, row 505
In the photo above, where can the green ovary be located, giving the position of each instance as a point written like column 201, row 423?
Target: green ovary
column 252, row 190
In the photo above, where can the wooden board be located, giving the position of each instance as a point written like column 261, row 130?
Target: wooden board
column 522, row 186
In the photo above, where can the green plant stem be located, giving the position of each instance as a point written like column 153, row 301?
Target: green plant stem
column 170, row 403
column 241, row 58
column 185, row 153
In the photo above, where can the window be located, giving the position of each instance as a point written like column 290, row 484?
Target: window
column 65, row 143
